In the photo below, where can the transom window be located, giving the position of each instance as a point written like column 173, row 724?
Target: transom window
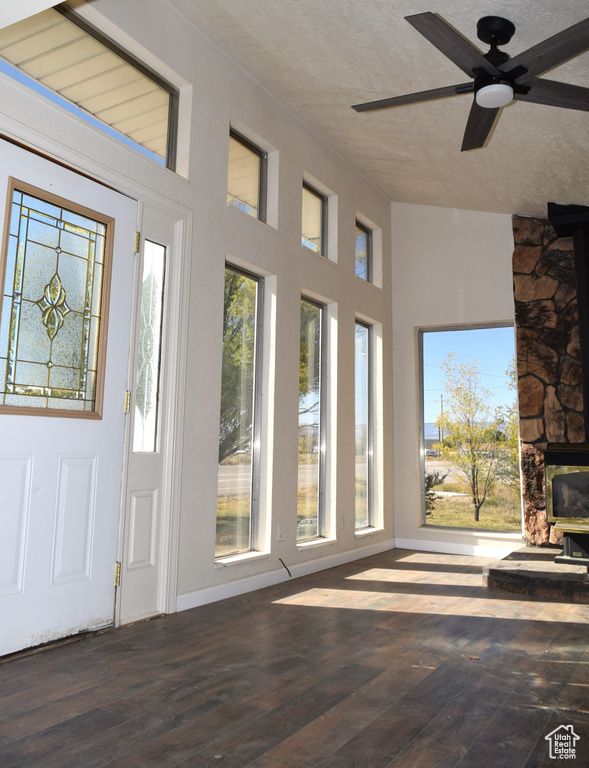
column 246, row 180
column 314, row 224
column 60, row 55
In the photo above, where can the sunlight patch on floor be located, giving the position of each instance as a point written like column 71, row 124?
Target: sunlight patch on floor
column 394, row 602
column 392, row 575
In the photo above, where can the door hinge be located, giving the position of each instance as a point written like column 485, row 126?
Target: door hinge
column 128, row 401
column 137, row 242
column 117, row 574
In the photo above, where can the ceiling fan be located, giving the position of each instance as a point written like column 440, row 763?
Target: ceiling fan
column 497, row 78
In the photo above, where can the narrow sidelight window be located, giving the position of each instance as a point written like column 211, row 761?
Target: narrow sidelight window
column 311, row 418
column 363, row 252
column 238, row 451
column 363, row 426
column 314, row 225
column 149, row 349
column 246, row 179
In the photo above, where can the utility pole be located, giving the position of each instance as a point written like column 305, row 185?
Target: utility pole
column 442, row 420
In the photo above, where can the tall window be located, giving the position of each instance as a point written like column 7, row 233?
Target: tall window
column 60, row 55
column 470, row 444
column 314, row 224
column 311, row 415
column 238, row 455
column 363, row 252
column 363, row 426
column 246, row 180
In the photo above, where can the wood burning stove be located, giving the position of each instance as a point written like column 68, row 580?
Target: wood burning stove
column 567, row 499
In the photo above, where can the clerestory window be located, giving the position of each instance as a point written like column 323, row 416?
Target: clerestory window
column 314, row 220
column 246, row 178
column 363, row 252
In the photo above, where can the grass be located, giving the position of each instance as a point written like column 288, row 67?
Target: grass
column 500, row 512
column 233, row 513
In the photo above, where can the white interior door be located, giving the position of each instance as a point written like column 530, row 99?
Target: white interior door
column 60, row 473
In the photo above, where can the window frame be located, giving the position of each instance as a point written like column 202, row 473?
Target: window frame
column 263, row 176
column 322, row 442
column 421, row 331
column 369, row 252
column 256, row 448
column 89, row 117
column 144, row 69
column 369, row 426
column 324, row 213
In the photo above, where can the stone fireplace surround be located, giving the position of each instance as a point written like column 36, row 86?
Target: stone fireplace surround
column 548, row 359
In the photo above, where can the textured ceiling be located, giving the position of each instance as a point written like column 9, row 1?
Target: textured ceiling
column 321, row 56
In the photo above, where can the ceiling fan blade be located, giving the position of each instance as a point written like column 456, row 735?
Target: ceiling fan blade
column 551, row 52
column 459, row 50
column 415, row 98
column 556, row 94
column 478, row 127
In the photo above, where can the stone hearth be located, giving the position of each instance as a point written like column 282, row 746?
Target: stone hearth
column 531, row 571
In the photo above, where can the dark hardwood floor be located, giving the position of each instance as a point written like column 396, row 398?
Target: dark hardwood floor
column 402, row 660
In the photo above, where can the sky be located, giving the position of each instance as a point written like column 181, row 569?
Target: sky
column 492, row 348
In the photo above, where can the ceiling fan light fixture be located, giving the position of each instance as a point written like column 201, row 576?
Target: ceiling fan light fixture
column 494, row 95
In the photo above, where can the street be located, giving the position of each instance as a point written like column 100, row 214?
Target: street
column 235, row 479
column 431, row 465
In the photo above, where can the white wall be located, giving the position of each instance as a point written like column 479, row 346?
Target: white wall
column 219, row 92
column 450, row 267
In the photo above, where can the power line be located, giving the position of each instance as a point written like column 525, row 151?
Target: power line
column 482, row 373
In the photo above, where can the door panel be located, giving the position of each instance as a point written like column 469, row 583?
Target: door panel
column 75, row 516
column 61, row 504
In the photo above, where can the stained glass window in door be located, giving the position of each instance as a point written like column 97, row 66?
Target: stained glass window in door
column 149, row 348
column 54, row 302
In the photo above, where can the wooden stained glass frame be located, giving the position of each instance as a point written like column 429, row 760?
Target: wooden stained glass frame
column 37, row 300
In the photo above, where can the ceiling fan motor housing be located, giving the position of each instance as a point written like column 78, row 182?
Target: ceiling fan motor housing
column 495, row 30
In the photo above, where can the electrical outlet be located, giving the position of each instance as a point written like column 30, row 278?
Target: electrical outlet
column 342, row 522
column 280, row 532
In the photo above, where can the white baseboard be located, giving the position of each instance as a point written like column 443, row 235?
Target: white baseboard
column 259, row 581
column 499, row 548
